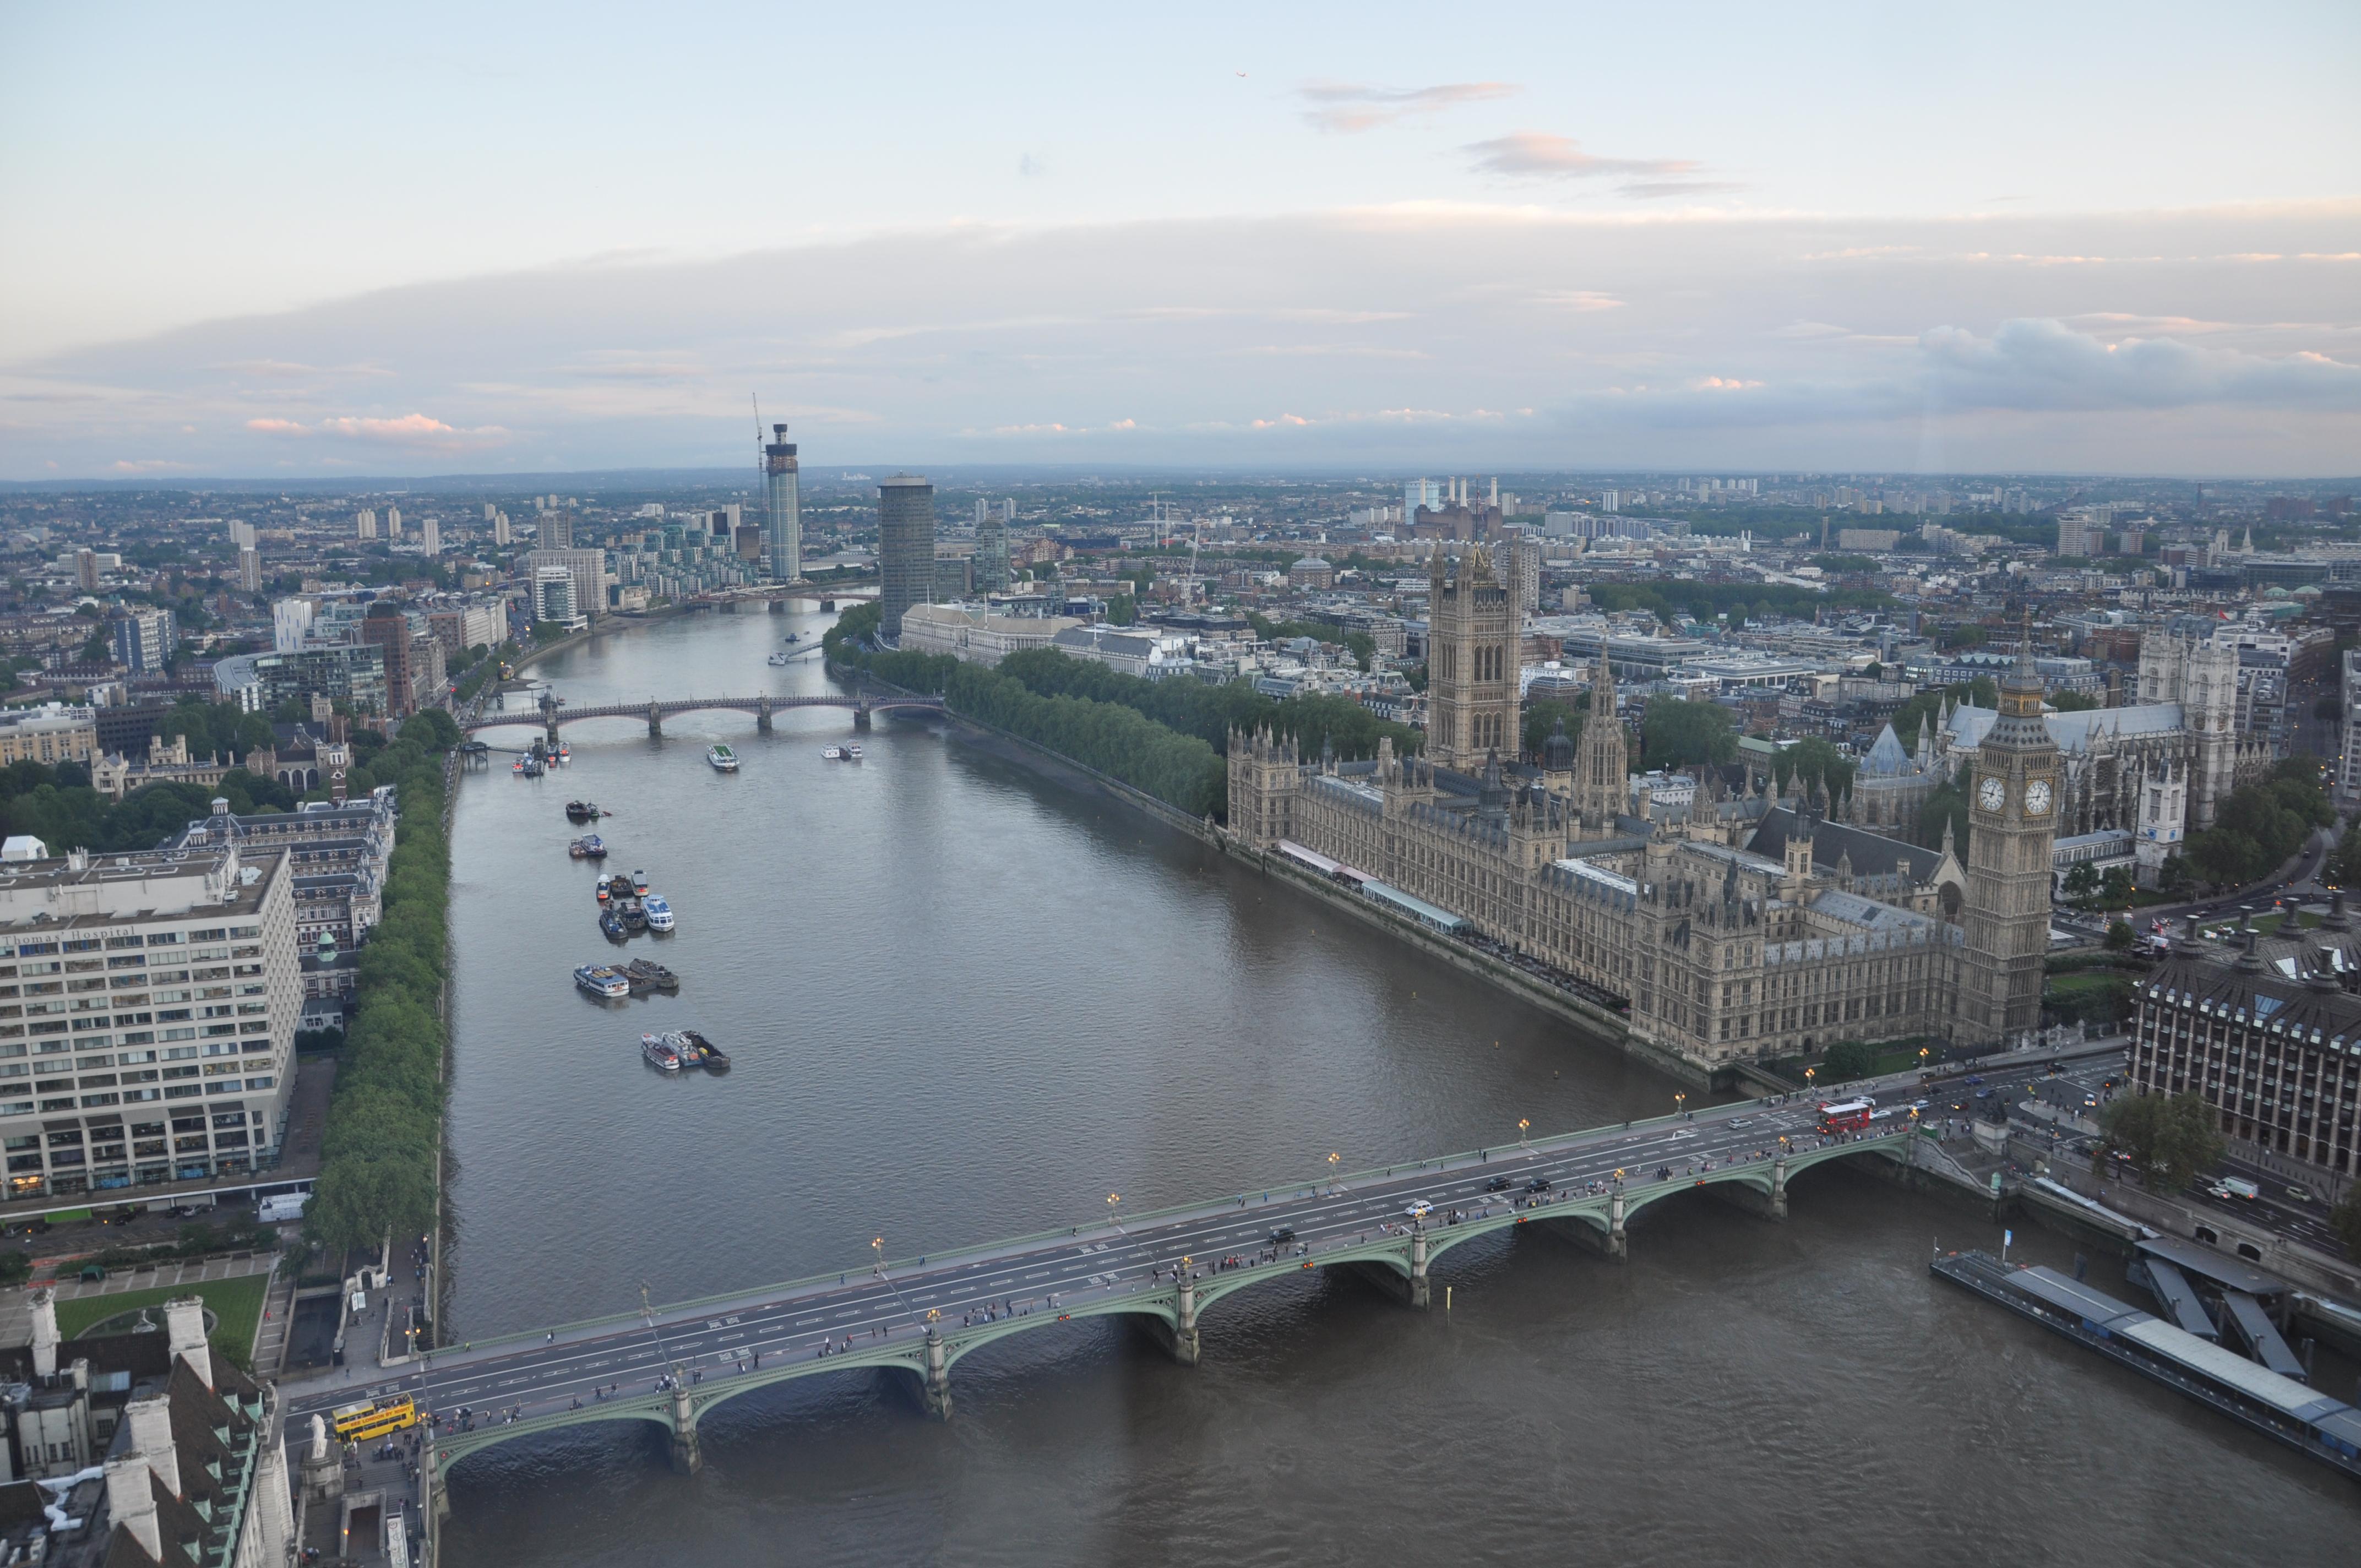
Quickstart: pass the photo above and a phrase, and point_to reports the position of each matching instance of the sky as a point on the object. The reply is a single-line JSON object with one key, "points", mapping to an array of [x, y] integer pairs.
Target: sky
{"points": [[251, 241]]}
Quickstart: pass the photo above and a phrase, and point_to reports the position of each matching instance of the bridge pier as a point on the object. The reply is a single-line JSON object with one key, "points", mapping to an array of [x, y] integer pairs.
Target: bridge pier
{"points": [[936, 1393], [860, 717], [686, 1456], [778, 607], [763, 717], [655, 719], [1581, 1231], [1410, 1290], [1179, 1336], [1770, 1205]]}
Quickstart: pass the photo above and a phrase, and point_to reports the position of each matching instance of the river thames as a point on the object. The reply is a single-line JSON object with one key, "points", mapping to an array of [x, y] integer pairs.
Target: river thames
{"points": [[968, 1001]]}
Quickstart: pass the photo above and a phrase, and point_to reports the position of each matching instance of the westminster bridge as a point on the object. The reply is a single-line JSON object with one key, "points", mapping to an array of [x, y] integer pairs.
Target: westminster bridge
{"points": [[551, 712], [916, 1318]]}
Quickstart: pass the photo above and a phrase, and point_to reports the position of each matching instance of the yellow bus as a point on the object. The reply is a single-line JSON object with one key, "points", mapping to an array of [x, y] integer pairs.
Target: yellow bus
{"points": [[373, 1419]]}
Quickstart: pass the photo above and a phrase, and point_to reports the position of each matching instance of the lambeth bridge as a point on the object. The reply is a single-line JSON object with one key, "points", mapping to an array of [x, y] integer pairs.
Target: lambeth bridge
{"points": [[666, 1366], [550, 712]]}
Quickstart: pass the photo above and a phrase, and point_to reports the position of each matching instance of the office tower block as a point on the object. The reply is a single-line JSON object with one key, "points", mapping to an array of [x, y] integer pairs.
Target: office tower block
{"points": [[906, 547]]}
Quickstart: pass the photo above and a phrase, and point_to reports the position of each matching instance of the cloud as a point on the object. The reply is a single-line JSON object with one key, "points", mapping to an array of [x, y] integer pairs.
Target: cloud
{"points": [[146, 465], [409, 429], [1351, 107], [1651, 190], [1542, 155], [1578, 299], [1029, 167], [2045, 364], [274, 367], [1635, 334]]}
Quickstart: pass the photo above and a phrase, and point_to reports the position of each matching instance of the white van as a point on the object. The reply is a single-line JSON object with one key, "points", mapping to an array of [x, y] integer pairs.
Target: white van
{"points": [[284, 1207]]}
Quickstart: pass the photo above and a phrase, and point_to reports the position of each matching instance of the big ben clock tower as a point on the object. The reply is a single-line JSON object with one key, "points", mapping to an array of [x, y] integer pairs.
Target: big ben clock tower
{"points": [[2013, 818]]}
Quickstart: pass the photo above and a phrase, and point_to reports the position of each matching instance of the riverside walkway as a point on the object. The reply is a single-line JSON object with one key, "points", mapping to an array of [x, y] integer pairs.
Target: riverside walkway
{"points": [[917, 1317]]}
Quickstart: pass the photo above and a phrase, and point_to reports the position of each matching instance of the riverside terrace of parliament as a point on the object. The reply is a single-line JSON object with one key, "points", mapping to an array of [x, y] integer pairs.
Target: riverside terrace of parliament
{"points": [[1749, 930]]}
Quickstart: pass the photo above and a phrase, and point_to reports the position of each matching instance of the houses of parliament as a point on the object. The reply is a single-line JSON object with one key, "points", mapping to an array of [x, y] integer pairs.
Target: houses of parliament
{"points": [[1748, 930]]}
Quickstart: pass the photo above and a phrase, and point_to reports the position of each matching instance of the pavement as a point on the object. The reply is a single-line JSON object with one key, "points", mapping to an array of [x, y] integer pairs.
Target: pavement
{"points": [[543, 1374]]}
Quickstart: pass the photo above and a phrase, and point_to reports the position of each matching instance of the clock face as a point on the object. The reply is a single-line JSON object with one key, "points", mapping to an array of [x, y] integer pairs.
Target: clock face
{"points": [[1992, 794], [2037, 797]]}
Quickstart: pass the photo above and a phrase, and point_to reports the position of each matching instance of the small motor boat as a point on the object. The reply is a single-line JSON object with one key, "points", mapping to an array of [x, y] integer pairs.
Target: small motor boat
{"points": [[711, 1057]]}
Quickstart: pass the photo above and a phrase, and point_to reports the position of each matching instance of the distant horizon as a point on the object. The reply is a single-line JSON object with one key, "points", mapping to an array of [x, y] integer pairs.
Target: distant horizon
{"points": [[590, 478]]}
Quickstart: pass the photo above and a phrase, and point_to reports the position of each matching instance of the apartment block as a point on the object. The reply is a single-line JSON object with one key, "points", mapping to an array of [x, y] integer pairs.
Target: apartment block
{"points": [[147, 1013]]}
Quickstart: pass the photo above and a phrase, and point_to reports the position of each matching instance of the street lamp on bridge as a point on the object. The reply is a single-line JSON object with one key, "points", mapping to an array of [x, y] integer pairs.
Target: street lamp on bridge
{"points": [[1333, 1158], [877, 1246], [1114, 1216], [1809, 1076], [1523, 1124], [1680, 1104]]}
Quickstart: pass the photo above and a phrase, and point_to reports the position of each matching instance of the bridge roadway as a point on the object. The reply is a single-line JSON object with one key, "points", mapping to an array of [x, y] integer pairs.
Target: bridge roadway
{"points": [[919, 1316]]}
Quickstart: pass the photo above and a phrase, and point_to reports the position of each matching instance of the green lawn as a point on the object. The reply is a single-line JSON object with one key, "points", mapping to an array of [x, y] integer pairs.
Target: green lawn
{"points": [[236, 1306], [2083, 980]]}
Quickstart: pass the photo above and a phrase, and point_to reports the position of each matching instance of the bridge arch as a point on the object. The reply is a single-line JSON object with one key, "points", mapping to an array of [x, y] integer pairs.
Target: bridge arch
{"points": [[454, 1449]]}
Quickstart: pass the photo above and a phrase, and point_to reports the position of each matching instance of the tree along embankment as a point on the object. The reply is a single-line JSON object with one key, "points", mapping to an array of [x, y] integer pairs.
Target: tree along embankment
{"points": [[1164, 738], [385, 1115]]}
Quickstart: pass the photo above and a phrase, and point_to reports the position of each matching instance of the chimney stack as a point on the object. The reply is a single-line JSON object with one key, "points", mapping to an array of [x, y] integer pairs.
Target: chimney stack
{"points": [[45, 1333], [131, 1501], [184, 1317], [151, 1435]]}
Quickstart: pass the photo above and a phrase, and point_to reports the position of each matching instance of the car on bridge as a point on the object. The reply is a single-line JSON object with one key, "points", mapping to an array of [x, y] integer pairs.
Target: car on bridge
{"points": [[1498, 1184], [1282, 1232], [1538, 1184], [1419, 1209]]}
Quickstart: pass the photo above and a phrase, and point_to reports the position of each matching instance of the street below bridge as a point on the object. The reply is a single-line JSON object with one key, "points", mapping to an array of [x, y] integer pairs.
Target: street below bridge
{"points": [[562, 1374]]}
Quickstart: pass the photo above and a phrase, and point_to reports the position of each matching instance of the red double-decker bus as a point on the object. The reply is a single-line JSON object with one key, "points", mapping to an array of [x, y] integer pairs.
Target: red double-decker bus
{"points": [[1846, 1115]]}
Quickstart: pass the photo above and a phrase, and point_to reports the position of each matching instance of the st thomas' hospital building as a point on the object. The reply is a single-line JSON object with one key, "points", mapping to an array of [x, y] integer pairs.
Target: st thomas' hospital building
{"points": [[1750, 930]]}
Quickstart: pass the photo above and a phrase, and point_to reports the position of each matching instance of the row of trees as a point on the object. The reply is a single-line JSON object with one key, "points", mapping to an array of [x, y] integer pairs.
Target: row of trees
{"points": [[1163, 737], [1179, 770], [2171, 1140], [1210, 712], [57, 806], [377, 1170], [2261, 824]]}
